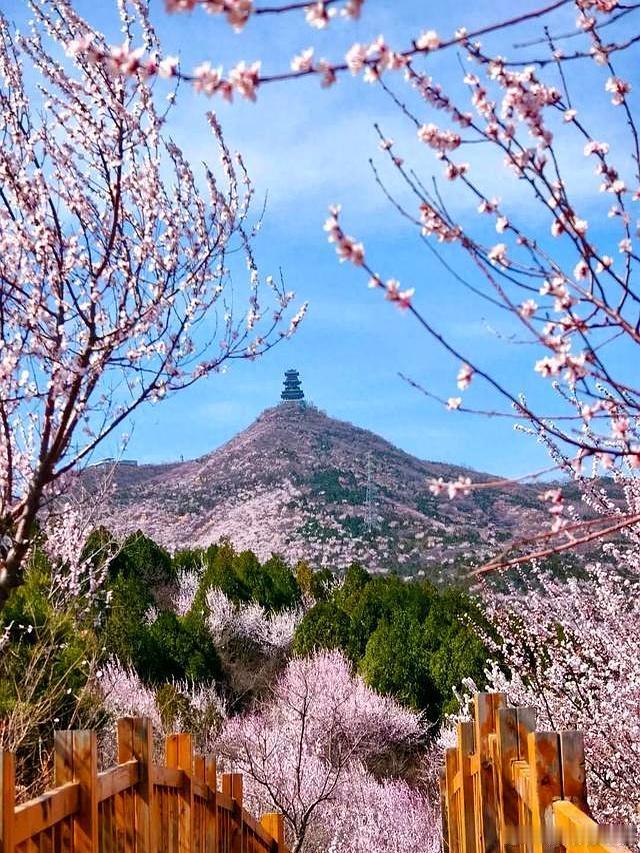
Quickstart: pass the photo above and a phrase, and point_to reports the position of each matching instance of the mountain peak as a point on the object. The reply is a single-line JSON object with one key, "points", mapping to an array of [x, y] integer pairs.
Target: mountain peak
{"points": [[306, 485]]}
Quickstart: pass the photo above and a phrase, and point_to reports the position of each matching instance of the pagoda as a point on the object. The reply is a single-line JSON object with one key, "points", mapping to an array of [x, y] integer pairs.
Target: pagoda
{"points": [[292, 389]]}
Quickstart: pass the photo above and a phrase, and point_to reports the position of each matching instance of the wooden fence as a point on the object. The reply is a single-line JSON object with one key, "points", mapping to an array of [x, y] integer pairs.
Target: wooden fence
{"points": [[507, 788], [135, 807]]}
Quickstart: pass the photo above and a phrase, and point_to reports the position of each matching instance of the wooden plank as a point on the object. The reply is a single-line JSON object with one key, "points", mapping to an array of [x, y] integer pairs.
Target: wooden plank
{"points": [[62, 758], [45, 811], [273, 824], [232, 784], [575, 828], [572, 769], [451, 768], [7, 801], [85, 771], [200, 789], [526, 725], [117, 779], [135, 743], [544, 766], [507, 795], [443, 811], [168, 777], [225, 801], [179, 753], [211, 818], [486, 706], [467, 818]]}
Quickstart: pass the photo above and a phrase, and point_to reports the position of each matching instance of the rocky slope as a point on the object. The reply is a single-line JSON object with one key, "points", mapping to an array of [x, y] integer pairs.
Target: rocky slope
{"points": [[295, 482]]}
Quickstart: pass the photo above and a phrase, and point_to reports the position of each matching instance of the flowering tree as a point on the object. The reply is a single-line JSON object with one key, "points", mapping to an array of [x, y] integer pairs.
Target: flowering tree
{"points": [[570, 651], [114, 286], [304, 750]]}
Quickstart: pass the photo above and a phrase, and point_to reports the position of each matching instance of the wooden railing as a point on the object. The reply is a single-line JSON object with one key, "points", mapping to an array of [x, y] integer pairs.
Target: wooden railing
{"points": [[507, 788], [135, 807]]}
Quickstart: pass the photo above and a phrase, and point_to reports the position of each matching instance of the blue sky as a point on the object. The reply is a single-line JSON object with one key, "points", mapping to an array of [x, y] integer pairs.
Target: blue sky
{"points": [[306, 148]]}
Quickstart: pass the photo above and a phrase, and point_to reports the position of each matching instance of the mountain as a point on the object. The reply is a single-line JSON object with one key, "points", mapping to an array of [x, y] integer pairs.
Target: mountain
{"points": [[305, 485]]}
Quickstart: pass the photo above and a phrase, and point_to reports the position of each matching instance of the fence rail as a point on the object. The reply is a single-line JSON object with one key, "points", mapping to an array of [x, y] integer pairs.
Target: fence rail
{"points": [[507, 788], [135, 807]]}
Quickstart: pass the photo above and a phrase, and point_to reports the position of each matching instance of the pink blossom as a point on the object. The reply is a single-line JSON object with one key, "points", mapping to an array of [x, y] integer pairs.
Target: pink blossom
{"points": [[593, 147], [619, 88], [303, 62], [428, 40], [465, 375], [528, 308], [498, 255], [401, 297], [207, 79], [245, 79], [318, 14], [440, 140], [356, 57]]}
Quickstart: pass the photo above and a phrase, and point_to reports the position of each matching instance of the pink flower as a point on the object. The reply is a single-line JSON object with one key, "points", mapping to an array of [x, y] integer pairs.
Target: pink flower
{"points": [[428, 40], [440, 140], [454, 170], [498, 255], [349, 250], [581, 270], [619, 88], [454, 403], [328, 73], [465, 375], [401, 297], [318, 16], [620, 427], [168, 67], [207, 79], [528, 308], [547, 366], [303, 62], [594, 147], [245, 78], [355, 57]]}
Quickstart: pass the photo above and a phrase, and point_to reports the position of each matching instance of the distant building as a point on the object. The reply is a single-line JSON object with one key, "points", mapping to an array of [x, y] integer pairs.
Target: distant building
{"points": [[110, 460], [292, 388]]}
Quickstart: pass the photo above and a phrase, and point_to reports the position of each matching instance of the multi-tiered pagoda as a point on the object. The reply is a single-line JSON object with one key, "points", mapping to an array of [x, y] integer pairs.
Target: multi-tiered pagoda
{"points": [[292, 389]]}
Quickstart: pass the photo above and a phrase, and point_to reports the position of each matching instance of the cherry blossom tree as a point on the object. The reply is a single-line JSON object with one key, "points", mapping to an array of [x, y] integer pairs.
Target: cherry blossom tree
{"points": [[115, 280], [307, 749], [570, 650]]}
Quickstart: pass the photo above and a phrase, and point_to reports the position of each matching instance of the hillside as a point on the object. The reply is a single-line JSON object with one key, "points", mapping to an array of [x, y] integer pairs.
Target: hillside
{"points": [[295, 482]]}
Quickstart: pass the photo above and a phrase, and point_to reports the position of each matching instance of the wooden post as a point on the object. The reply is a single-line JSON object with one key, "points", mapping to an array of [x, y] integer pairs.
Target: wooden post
{"points": [[507, 796], [572, 769], [467, 805], [135, 740], [211, 820], [76, 760], [273, 822], [232, 786], [453, 822], [443, 811], [486, 706], [544, 764], [7, 801], [179, 753]]}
